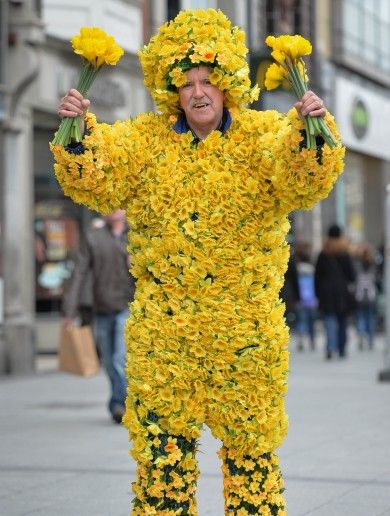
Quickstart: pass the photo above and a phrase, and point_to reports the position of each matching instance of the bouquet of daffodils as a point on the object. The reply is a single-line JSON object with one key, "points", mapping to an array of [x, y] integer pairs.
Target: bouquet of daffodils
{"points": [[96, 48], [287, 52]]}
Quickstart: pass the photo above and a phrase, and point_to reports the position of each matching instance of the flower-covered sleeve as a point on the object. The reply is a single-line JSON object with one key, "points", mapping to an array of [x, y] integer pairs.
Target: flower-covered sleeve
{"points": [[103, 171], [298, 177]]}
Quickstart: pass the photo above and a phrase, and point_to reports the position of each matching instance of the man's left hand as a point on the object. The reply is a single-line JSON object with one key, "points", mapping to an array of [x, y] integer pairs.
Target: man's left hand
{"points": [[310, 104]]}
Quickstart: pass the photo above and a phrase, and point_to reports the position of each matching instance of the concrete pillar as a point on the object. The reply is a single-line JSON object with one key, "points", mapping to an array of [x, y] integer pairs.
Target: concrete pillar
{"points": [[17, 346], [18, 252]]}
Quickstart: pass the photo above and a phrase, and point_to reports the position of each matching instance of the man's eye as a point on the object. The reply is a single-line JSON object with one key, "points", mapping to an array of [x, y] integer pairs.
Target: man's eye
{"points": [[186, 85]]}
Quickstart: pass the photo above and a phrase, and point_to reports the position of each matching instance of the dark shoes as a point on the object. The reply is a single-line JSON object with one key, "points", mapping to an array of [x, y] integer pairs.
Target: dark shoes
{"points": [[117, 413]]}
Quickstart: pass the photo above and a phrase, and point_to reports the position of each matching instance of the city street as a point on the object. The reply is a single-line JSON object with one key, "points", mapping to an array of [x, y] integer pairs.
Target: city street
{"points": [[184, 160], [61, 455]]}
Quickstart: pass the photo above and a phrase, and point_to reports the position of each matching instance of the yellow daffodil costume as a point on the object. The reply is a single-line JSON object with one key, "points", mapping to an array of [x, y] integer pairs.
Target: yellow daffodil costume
{"points": [[206, 339]]}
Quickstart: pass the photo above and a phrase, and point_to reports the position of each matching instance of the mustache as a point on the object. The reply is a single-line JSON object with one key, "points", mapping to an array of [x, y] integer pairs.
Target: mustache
{"points": [[200, 102]]}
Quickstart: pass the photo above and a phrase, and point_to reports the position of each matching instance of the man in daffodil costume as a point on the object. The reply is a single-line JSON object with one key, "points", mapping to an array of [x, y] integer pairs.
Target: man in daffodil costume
{"points": [[207, 185]]}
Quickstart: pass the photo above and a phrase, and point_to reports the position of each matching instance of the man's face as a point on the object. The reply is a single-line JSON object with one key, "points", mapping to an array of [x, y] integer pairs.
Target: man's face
{"points": [[201, 101]]}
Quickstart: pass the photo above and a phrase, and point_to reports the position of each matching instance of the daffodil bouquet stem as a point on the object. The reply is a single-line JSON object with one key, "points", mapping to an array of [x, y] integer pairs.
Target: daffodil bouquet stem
{"points": [[315, 126], [69, 129], [96, 48], [287, 50]]}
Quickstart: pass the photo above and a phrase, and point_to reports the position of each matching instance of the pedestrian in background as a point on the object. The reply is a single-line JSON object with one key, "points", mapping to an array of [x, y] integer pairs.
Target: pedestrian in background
{"points": [[307, 308], [334, 284], [366, 295], [290, 291], [103, 259]]}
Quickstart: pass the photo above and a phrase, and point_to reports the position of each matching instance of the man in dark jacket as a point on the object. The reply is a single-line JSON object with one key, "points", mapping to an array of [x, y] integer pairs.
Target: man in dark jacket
{"points": [[334, 279], [103, 255]]}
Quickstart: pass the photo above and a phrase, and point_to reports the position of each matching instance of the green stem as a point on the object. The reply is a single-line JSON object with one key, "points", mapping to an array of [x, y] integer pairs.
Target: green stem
{"points": [[326, 134], [305, 83], [310, 123], [313, 125], [309, 139], [296, 79], [315, 122], [69, 128]]}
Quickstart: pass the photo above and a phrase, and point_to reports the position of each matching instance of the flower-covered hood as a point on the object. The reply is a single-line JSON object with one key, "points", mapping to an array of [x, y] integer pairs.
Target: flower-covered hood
{"points": [[194, 37]]}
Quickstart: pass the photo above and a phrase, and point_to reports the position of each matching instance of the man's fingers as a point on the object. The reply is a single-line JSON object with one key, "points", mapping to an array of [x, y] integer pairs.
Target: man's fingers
{"points": [[75, 93], [298, 106], [314, 106], [68, 109], [64, 113], [73, 104], [85, 103]]}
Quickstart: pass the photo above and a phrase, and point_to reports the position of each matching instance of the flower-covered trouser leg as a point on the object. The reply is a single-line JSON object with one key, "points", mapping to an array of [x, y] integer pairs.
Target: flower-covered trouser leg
{"points": [[252, 485], [191, 362], [165, 410], [246, 411], [166, 479]]}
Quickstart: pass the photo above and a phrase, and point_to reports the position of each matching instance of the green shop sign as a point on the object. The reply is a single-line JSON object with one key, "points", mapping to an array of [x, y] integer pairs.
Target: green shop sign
{"points": [[359, 118]]}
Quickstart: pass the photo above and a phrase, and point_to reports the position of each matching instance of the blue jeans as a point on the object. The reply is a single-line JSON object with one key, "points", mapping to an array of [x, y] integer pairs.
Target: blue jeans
{"points": [[365, 322], [336, 332], [305, 322], [110, 336]]}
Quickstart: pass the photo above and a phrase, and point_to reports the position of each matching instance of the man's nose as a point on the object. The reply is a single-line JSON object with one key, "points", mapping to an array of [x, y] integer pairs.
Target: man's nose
{"points": [[198, 90]]}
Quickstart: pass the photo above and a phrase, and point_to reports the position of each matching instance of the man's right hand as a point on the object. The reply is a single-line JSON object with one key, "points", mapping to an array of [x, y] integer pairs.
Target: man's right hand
{"points": [[67, 321], [73, 104]]}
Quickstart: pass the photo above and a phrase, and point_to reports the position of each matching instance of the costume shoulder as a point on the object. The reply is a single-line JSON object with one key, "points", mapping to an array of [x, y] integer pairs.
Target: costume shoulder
{"points": [[252, 120], [140, 125], [151, 123]]}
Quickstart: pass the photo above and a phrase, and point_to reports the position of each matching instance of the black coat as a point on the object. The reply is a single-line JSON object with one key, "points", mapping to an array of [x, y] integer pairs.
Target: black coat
{"points": [[334, 280], [290, 290]]}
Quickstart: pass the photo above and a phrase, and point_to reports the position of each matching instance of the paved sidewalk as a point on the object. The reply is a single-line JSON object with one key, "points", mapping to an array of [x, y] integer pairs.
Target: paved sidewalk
{"points": [[61, 456]]}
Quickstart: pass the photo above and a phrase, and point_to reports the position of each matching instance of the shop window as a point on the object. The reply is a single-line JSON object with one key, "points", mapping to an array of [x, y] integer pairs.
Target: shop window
{"points": [[57, 227], [363, 35], [285, 16]]}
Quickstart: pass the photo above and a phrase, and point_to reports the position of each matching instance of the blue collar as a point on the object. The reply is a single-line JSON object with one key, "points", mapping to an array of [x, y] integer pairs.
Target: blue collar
{"points": [[181, 125]]}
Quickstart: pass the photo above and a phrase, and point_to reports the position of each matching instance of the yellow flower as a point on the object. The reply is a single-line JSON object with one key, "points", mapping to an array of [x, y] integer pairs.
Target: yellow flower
{"points": [[96, 47], [292, 47], [275, 76], [178, 77], [288, 51], [154, 429], [189, 462], [171, 445]]}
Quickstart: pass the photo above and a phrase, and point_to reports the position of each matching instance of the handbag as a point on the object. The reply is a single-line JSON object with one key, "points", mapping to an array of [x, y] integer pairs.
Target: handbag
{"points": [[77, 353]]}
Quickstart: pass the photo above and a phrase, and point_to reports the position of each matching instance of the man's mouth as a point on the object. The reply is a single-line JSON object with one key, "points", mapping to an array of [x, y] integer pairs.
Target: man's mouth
{"points": [[201, 105]]}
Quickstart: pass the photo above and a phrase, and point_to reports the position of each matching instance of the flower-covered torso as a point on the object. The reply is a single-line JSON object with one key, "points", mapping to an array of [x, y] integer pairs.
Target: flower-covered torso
{"points": [[208, 225]]}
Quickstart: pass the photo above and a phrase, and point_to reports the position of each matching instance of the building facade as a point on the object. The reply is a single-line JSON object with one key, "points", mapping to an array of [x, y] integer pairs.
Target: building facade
{"points": [[349, 68], [40, 227], [360, 50]]}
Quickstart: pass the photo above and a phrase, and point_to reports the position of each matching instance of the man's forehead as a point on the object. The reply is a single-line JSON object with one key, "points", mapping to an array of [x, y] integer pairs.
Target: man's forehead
{"points": [[198, 71]]}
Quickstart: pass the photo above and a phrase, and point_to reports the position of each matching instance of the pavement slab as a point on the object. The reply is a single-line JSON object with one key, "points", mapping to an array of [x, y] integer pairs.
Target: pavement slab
{"points": [[61, 455]]}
